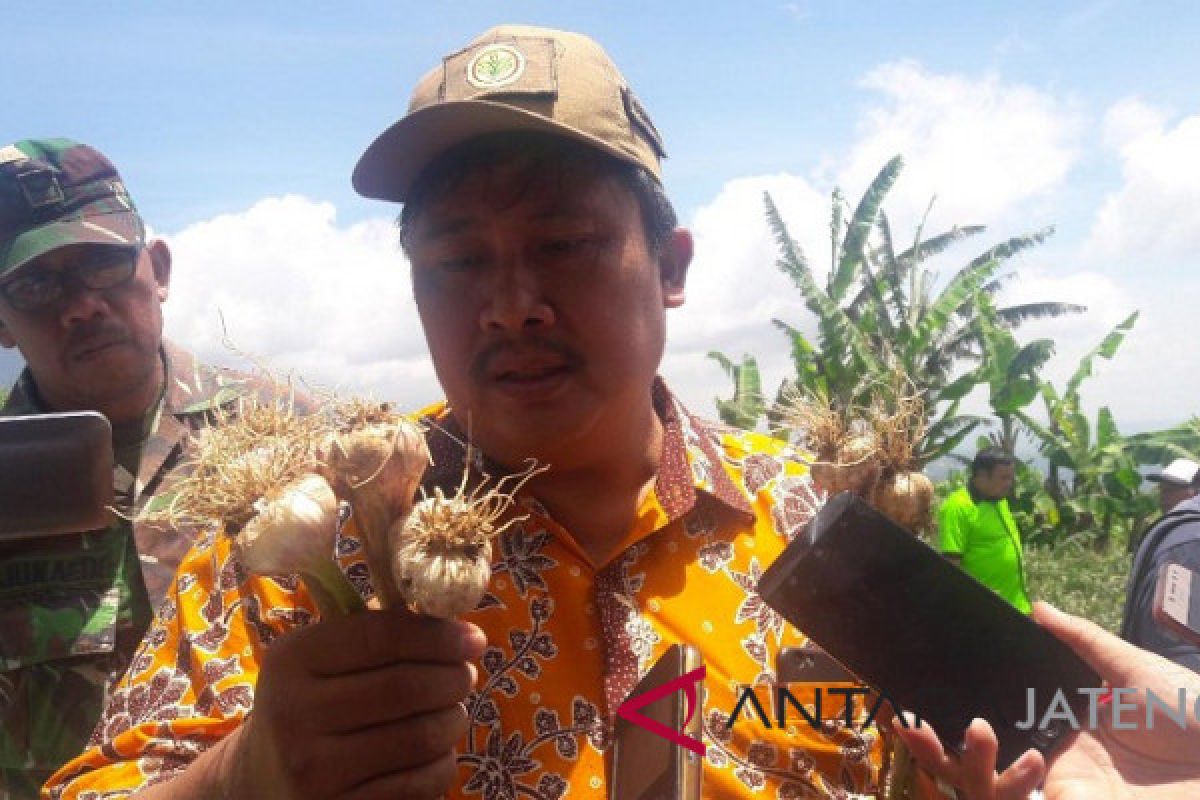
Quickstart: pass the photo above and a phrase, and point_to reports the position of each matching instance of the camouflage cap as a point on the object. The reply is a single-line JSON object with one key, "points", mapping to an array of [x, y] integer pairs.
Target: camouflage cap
{"points": [[57, 192], [512, 78]]}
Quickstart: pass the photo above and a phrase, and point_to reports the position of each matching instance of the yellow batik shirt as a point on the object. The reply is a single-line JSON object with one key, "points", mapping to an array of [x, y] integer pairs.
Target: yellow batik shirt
{"points": [[567, 639]]}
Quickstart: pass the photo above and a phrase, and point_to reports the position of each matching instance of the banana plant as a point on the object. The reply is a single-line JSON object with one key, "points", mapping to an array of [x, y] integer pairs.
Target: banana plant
{"points": [[746, 406], [878, 315], [1160, 447], [1008, 369], [1102, 493]]}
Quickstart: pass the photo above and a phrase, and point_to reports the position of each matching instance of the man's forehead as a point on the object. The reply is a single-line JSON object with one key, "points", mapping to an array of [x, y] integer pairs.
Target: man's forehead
{"points": [[487, 193]]}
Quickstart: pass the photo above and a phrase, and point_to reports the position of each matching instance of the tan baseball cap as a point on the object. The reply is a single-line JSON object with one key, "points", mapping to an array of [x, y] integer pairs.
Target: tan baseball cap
{"points": [[512, 78]]}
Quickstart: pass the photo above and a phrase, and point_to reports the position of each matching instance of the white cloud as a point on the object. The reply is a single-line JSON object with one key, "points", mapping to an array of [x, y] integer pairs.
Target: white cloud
{"points": [[1154, 217], [983, 146], [1129, 120], [1146, 232], [332, 303], [733, 281], [993, 152], [735, 289]]}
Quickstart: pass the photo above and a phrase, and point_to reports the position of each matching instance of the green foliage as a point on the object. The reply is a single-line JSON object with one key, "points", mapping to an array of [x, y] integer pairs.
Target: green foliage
{"points": [[845, 367], [1161, 447], [1008, 369], [746, 406], [1102, 495], [1072, 574], [881, 327], [1080, 579]]}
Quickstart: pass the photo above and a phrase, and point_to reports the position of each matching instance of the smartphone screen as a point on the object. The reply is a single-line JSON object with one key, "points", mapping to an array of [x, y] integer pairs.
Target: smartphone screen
{"points": [[923, 632], [646, 766], [56, 474]]}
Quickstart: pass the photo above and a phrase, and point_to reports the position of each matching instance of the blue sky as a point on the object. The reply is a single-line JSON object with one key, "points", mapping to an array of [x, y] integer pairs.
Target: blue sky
{"points": [[236, 126], [209, 106]]}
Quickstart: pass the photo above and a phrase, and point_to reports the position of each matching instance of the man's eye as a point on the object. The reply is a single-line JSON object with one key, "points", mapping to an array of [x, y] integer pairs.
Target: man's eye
{"points": [[28, 287], [106, 274], [570, 246], [459, 262]]}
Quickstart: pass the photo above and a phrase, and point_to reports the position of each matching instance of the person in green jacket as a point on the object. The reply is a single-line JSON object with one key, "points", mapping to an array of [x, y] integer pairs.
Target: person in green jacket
{"points": [[977, 532]]}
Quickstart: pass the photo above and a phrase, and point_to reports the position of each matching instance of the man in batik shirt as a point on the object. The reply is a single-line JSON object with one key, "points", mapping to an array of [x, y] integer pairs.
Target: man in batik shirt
{"points": [[544, 254]]}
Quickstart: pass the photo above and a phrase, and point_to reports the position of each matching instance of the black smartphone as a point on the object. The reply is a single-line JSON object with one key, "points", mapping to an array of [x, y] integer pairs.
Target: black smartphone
{"points": [[1177, 602], [56, 474], [810, 664], [645, 765], [923, 633]]}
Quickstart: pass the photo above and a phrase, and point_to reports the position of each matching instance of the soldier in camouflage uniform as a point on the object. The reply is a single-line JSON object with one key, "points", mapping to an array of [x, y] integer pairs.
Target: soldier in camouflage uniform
{"points": [[80, 296]]}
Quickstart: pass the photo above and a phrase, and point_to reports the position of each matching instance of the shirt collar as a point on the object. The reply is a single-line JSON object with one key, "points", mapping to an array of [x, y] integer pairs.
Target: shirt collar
{"points": [[690, 465], [24, 397], [196, 388], [978, 498]]}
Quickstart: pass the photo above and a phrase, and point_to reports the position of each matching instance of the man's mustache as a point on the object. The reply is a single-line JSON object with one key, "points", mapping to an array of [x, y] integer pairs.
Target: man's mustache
{"points": [[88, 336], [521, 349]]}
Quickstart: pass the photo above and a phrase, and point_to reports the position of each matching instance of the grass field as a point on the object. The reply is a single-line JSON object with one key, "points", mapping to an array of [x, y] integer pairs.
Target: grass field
{"points": [[1080, 580]]}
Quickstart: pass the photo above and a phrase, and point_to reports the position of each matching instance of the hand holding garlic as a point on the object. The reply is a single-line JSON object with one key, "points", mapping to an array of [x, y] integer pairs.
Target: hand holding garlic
{"points": [[294, 532], [273, 479]]}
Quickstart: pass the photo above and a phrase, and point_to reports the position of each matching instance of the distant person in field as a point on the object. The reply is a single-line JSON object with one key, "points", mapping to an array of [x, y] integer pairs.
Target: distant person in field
{"points": [[1177, 483], [977, 532], [1174, 539]]}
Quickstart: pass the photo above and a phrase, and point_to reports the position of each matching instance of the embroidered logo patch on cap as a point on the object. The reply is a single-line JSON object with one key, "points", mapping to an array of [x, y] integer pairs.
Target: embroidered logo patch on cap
{"points": [[41, 188], [495, 66]]}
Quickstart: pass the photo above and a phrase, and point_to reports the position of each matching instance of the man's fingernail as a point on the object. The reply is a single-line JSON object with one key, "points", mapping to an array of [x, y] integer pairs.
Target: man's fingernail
{"points": [[471, 636]]}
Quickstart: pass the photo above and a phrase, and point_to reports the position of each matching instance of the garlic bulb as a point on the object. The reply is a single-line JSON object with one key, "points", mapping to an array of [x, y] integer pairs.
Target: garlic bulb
{"points": [[377, 467], [295, 532], [441, 554], [442, 558]]}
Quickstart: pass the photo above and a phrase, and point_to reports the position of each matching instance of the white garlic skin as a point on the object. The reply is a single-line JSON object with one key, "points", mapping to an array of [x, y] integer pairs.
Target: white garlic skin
{"points": [[442, 581], [292, 532]]}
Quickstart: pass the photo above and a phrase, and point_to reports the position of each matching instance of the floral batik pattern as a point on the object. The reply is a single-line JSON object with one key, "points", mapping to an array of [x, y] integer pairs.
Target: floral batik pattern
{"points": [[567, 639]]}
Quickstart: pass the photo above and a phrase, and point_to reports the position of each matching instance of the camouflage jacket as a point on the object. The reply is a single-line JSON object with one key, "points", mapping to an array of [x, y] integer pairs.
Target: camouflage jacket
{"points": [[73, 608]]}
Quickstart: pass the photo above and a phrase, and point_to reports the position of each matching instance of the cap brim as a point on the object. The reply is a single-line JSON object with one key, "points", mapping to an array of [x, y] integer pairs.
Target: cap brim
{"points": [[390, 165], [1168, 480], [116, 228]]}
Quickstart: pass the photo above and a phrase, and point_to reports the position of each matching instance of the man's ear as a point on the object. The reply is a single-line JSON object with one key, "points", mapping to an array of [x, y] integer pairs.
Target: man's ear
{"points": [[160, 260], [673, 263]]}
